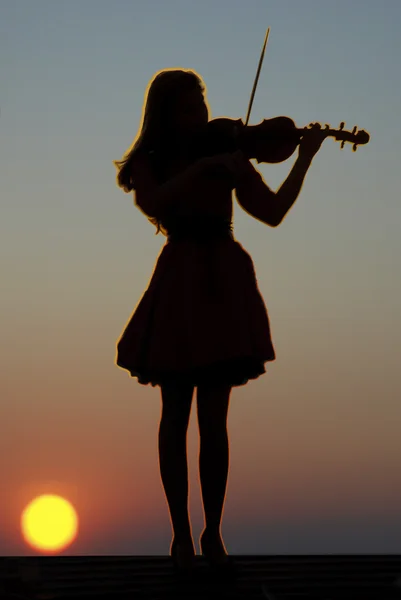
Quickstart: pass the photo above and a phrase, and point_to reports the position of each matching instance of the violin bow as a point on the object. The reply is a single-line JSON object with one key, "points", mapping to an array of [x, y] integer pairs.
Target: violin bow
{"points": [[257, 75]]}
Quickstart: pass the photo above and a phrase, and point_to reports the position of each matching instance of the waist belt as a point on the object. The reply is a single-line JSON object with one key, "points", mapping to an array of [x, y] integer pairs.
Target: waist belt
{"points": [[199, 230]]}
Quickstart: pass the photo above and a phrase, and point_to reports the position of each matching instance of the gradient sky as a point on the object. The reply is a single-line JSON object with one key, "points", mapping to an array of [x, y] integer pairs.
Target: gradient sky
{"points": [[315, 445]]}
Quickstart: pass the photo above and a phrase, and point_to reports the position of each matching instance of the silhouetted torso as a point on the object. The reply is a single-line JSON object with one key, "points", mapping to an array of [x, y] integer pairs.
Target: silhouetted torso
{"points": [[202, 315]]}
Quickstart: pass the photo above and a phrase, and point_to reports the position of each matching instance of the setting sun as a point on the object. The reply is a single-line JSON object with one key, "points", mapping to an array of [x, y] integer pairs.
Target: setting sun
{"points": [[49, 523]]}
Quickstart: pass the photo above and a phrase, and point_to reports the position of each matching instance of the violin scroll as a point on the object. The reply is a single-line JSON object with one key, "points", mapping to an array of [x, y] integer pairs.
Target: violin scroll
{"points": [[354, 137]]}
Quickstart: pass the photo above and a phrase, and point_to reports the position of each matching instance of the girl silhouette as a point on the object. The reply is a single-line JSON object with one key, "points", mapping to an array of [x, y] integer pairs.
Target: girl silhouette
{"points": [[202, 321]]}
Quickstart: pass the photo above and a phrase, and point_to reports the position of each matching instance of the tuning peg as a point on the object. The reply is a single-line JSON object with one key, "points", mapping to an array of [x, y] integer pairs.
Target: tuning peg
{"points": [[354, 147], [327, 126], [354, 130], [342, 125], [342, 144]]}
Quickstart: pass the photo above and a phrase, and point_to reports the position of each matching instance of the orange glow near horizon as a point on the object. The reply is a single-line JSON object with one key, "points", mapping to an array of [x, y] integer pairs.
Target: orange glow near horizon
{"points": [[49, 523]]}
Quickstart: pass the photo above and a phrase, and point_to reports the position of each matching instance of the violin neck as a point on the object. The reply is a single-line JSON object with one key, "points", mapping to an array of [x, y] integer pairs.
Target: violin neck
{"points": [[328, 132]]}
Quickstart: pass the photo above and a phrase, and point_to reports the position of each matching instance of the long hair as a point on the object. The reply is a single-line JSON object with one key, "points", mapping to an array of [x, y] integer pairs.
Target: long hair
{"points": [[161, 93]]}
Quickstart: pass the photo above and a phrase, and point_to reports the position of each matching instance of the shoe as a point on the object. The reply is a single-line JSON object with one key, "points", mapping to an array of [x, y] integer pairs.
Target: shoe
{"points": [[219, 562], [183, 555]]}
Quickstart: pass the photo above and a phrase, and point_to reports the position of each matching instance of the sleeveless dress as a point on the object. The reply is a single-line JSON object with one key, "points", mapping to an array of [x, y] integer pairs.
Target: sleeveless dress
{"points": [[202, 317]]}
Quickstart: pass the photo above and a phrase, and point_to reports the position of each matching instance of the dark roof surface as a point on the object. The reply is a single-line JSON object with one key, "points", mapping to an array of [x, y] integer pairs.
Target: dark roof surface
{"points": [[322, 577]]}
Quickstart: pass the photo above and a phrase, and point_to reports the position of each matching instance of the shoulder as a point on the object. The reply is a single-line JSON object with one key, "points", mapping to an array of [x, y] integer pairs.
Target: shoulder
{"points": [[141, 159], [147, 165], [141, 168]]}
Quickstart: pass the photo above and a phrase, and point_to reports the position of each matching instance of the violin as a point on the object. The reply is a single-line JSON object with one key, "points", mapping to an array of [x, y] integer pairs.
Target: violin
{"points": [[271, 141]]}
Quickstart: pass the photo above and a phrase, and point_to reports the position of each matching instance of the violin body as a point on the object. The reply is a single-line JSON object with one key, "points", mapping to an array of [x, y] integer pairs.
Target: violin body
{"points": [[271, 141]]}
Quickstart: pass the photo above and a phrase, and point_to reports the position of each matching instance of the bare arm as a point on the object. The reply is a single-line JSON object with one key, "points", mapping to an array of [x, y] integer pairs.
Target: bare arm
{"points": [[290, 189], [271, 207], [257, 199]]}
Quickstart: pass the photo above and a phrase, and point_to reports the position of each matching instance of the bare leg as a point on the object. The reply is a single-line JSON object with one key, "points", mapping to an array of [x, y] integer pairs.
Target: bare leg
{"points": [[213, 403], [176, 402]]}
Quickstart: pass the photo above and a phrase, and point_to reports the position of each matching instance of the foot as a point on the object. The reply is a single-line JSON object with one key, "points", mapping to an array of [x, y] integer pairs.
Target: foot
{"points": [[183, 554], [213, 549]]}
